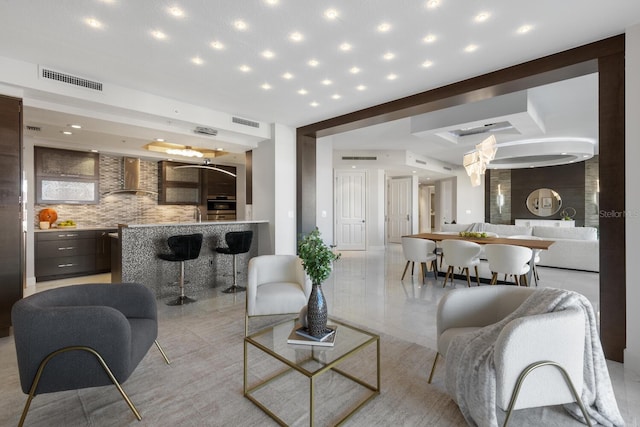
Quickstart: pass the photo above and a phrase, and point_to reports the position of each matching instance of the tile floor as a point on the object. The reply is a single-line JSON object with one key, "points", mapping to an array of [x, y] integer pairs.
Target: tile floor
{"points": [[365, 288]]}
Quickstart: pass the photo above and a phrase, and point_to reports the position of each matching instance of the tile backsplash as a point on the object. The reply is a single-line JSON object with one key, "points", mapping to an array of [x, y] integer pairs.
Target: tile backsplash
{"points": [[117, 209]]}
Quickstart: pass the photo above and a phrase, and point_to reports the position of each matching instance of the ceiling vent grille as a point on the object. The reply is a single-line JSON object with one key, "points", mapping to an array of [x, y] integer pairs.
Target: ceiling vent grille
{"points": [[447, 168], [245, 122], [359, 158], [47, 73], [205, 131], [421, 162], [34, 128]]}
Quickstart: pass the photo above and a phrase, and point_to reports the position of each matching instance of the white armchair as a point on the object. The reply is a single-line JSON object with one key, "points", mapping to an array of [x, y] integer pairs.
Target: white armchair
{"points": [[276, 284], [551, 344]]}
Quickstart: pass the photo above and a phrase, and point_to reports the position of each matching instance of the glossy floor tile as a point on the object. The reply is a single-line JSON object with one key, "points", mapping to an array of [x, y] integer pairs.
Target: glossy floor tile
{"points": [[365, 289]]}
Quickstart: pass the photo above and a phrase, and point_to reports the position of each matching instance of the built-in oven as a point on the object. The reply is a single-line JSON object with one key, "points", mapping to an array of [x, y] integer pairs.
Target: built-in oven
{"points": [[221, 208]]}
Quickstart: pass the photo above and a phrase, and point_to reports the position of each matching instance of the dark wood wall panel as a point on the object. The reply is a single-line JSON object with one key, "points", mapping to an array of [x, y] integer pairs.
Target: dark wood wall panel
{"points": [[566, 180], [12, 237]]}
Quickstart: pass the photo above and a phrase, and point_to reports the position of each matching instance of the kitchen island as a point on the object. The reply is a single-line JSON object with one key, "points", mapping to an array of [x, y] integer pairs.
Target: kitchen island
{"points": [[135, 250]]}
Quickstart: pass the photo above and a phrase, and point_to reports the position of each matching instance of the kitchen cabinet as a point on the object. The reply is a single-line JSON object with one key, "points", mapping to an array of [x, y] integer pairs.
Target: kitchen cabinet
{"points": [[66, 176], [178, 186], [68, 253], [219, 183]]}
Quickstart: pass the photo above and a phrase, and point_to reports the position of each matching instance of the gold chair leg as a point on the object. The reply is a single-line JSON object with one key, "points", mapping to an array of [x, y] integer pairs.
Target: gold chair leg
{"points": [[475, 267], [515, 280], [446, 276], [433, 368], [434, 266], [468, 276], [404, 272], [423, 270], [43, 364], [166, 359], [494, 278]]}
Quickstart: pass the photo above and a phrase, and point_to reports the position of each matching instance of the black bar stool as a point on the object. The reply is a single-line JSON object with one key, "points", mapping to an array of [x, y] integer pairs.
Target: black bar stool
{"points": [[183, 248], [238, 242]]}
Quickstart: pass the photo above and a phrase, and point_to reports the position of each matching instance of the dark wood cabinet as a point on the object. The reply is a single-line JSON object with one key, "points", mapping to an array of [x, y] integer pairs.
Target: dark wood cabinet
{"points": [[66, 176], [68, 253], [12, 236], [219, 183], [180, 186]]}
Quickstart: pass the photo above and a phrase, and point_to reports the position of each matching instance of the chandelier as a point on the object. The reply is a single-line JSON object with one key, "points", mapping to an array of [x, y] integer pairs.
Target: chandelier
{"points": [[475, 162]]}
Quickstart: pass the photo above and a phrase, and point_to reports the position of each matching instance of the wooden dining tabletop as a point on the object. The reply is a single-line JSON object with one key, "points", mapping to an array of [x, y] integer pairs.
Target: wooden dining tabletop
{"points": [[529, 243]]}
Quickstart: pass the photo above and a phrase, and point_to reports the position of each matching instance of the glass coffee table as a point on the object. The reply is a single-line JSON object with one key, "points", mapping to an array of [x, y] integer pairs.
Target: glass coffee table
{"points": [[313, 362]]}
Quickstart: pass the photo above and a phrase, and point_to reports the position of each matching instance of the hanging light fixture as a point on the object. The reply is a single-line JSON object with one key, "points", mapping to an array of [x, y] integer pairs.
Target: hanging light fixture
{"points": [[186, 152], [206, 165], [487, 149], [475, 162]]}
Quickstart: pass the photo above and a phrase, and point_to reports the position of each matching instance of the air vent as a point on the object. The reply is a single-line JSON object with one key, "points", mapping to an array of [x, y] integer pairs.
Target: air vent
{"points": [[486, 128], [447, 168], [245, 122], [46, 73], [421, 162], [34, 128], [205, 131], [359, 158]]}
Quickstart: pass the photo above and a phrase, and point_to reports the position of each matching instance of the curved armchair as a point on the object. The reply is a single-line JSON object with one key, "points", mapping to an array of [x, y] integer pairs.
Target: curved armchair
{"points": [[509, 260], [83, 336], [463, 254], [276, 284], [422, 251], [551, 344]]}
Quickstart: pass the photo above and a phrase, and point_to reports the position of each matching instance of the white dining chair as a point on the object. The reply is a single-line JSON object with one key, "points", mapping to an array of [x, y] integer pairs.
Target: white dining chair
{"points": [[421, 251], [509, 260], [536, 254], [462, 254]]}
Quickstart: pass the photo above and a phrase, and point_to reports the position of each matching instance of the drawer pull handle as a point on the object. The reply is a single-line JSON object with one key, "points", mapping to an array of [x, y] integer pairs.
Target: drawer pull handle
{"points": [[68, 248], [65, 265]]}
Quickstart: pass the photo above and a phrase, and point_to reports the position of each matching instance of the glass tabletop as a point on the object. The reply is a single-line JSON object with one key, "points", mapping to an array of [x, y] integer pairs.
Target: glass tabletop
{"points": [[273, 340]]}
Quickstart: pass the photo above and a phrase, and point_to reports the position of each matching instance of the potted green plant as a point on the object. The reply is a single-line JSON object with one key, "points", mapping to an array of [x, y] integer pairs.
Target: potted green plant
{"points": [[317, 259]]}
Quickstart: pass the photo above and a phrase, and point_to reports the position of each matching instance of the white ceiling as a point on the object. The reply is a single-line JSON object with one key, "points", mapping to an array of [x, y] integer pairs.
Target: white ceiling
{"points": [[124, 52]]}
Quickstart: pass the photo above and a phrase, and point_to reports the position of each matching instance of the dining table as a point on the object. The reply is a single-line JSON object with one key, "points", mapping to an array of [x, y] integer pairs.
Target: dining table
{"points": [[532, 244]]}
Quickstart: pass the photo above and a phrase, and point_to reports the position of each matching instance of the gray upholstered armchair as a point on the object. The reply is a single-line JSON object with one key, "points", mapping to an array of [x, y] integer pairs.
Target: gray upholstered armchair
{"points": [[83, 336]]}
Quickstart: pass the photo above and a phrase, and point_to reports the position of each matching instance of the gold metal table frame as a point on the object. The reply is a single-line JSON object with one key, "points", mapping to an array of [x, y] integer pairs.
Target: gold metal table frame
{"points": [[347, 348]]}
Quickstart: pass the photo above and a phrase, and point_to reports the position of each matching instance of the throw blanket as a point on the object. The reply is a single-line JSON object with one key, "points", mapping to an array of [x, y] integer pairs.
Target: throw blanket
{"points": [[470, 370]]}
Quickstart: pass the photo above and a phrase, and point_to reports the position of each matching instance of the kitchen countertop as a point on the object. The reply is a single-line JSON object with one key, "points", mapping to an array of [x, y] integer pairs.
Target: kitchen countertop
{"points": [[79, 228]]}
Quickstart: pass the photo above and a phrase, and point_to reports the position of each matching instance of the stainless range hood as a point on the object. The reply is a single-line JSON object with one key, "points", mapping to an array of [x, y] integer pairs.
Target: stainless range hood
{"points": [[130, 178]]}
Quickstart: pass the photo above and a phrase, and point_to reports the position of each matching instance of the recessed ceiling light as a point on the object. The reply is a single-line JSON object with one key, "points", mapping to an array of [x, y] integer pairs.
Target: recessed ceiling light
{"points": [[217, 45], [159, 139], [268, 54], [524, 29], [354, 70], [313, 62], [388, 56], [353, 166], [158, 34], [432, 4], [314, 104], [67, 132], [361, 87], [295, 36], [240, 25], [413, 172], [93, 150], [336, 96], [384, 27], [482, 16], [392, 76], [564, 154], [76, 126], [471, 48], [345, 47], [176, 11], [219, 149], [326, 82], [429, 38], [427, 64], [302, 91], [266, 86], [272, 2], [287, 76], [331, 14], [245, 68], [197, 60], [93, 23]]}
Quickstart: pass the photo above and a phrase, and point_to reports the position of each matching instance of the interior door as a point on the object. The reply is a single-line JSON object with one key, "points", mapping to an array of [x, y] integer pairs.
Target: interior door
{"points": [[350, 210], [398, 209]]}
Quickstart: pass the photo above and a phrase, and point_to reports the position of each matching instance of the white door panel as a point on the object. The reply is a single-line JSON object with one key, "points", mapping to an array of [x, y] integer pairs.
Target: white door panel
{"points": [[350, 209], [398, 209]]}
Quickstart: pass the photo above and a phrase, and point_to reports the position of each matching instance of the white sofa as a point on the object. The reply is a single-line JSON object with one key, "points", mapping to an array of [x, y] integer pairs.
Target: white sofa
{"points": [[575, 248]]}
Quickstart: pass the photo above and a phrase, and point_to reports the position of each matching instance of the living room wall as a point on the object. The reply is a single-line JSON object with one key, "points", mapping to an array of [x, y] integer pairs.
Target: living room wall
{"points": [[576, 183]]}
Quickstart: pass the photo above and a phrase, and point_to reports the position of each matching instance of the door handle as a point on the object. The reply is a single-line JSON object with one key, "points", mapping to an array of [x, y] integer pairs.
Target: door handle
{"points": [[408, 217]]}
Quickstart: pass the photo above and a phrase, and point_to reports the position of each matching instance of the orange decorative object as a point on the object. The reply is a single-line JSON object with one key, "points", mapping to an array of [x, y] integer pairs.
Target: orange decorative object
{"points": [[49, 215]]}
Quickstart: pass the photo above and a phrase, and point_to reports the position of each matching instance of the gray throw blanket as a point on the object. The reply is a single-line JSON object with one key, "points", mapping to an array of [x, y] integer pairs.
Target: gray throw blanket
{"points": [[470, 370]]}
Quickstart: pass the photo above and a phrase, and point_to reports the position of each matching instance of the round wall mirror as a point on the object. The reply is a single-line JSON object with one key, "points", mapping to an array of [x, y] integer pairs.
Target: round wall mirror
{"points": [[544, 202]]}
